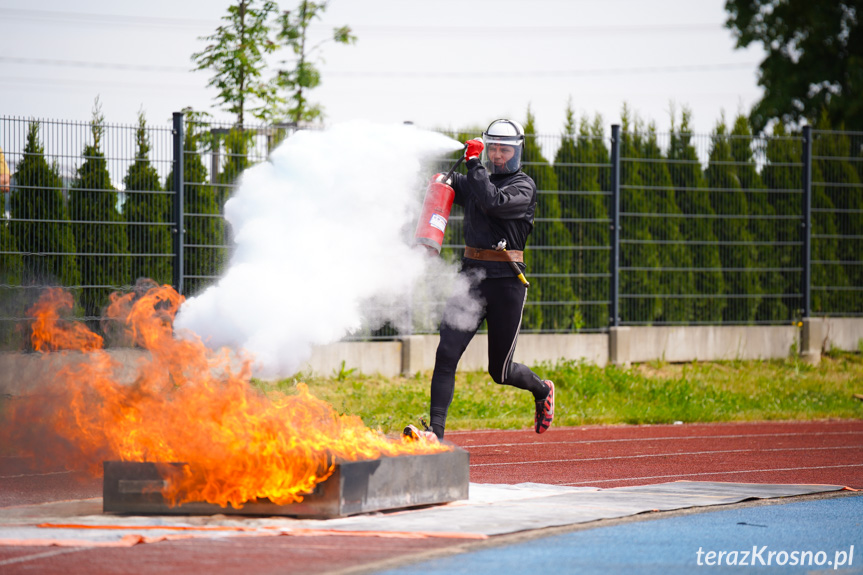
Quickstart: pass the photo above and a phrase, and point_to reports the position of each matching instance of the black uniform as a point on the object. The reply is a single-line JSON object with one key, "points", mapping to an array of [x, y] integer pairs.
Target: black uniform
{"points": [[496, 207]]}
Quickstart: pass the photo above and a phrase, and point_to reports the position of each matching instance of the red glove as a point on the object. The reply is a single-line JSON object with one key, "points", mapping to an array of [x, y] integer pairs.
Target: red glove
{"points": [[473, 150]]}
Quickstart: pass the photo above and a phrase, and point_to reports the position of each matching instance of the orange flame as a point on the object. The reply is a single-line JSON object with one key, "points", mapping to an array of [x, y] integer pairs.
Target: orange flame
{"points": [[187, 404]]}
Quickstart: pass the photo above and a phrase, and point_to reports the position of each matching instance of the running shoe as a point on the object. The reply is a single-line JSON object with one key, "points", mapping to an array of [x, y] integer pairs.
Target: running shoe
{"points": [[545, 410], [414, 433]]}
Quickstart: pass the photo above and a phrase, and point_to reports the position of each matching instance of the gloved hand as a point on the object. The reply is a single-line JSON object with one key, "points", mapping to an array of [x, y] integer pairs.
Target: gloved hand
{"points": [[473, 150]]}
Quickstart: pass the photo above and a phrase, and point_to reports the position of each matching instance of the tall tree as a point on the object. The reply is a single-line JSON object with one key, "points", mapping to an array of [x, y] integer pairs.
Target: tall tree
{"points": [[585, 215], [100, 237], [762, 223], [693, 199], [304, 74], [41, 219], [736, 250], [237, 57], [204, 251], [639, 284], [11, 301], [146, 212], [237, 143], [550, 260], [663, 224], [814, 58], [837, 178]]}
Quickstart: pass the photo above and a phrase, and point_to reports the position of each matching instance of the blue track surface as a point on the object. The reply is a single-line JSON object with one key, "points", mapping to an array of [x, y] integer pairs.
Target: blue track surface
{"points": [[827, 528]]}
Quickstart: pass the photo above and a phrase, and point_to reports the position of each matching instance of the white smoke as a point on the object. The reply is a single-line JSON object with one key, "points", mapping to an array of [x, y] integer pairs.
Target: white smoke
{"points": [[321, 234]]}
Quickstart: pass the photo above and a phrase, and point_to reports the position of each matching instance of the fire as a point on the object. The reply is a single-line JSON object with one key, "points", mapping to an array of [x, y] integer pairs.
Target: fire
{"points": [[187, 404]]}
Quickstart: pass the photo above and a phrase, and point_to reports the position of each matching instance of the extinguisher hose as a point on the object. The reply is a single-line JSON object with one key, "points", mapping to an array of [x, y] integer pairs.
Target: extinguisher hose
{"points": [[454, 166]]}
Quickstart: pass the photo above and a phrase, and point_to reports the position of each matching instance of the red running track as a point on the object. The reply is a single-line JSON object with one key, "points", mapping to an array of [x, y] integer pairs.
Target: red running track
{"points": [[821, 452], [817, 452]]}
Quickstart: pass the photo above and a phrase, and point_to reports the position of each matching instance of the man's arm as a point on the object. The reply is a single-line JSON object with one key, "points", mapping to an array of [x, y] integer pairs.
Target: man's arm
{"points": [[508, 202]]}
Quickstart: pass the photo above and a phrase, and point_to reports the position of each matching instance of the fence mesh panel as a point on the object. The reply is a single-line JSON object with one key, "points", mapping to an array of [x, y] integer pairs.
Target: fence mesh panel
{"points": [[712, 225]]}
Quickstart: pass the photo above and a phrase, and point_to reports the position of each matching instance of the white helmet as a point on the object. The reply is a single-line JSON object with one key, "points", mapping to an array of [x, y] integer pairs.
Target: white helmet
{"points": [[506, 133]]}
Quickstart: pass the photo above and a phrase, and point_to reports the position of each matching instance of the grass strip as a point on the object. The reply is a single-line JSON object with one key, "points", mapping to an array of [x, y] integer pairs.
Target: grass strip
{"points": [[654, 392]]}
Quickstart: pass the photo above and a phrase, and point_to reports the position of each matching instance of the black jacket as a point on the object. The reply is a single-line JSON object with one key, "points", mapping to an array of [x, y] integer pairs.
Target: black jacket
{"points": [[496, 207]]}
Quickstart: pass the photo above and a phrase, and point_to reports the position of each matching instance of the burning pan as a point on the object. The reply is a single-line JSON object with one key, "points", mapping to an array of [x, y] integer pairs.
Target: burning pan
{"points": [[354, 487]]}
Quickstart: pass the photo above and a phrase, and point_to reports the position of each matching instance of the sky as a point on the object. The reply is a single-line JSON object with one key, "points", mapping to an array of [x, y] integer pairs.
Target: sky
{"points": [[446, 64]]}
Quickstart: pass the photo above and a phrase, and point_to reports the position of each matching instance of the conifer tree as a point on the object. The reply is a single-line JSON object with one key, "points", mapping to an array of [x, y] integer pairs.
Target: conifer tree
{"points": [[146, 210], [836, 177], [237, 144], [664, 228], [38, 195], [693, 200], [549, 255], [825, 268], [103, 246], [762, 227], [204, 252], [736, 252], [637, 250], [585, 215], [783, 176], [11, 302]]}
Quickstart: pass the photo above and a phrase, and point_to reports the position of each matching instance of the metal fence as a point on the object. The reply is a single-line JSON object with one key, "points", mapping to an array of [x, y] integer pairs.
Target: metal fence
{"points": [[632, 228]]}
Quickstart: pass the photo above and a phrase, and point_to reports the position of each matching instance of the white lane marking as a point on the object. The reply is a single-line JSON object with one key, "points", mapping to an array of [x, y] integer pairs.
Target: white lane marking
{"points": [[666, 438], [35, 474], [711, 473], [665, 455], [42, 555]]}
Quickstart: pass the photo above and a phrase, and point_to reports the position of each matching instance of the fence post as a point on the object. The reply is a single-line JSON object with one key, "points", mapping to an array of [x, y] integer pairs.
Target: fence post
{"points": [[806, 280], [614, 305], [178, 229], [619, 338], [814, 332]]}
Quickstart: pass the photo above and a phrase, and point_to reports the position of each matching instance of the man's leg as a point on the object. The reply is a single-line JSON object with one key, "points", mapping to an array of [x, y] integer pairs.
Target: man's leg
{"points": [[453, 342], [505, 299]]}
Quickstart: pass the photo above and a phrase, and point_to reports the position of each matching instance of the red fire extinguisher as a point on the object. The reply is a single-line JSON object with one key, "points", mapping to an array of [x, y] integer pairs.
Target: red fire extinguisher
{"points": [[435, 213]]}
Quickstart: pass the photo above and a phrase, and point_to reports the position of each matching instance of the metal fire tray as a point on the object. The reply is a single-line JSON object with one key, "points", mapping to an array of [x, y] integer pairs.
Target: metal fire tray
{"points": [[354, 487]]}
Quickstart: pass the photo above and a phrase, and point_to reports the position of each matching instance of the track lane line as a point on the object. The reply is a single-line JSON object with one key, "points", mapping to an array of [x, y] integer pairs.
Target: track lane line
{"points": [[44, 555], [667, 438], [712, 473], [645, 455]]}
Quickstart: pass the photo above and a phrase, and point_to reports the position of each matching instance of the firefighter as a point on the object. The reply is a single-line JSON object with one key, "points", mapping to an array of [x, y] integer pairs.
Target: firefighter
{"points": [[499, 202]]}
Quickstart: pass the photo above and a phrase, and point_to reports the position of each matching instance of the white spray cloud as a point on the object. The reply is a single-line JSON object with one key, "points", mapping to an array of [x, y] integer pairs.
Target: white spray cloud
{"points": [[320, 245]]}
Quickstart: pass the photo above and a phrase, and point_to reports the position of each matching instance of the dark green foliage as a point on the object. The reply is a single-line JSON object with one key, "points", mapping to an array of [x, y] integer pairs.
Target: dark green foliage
{"points": [[586, 205], [692, 198], [814, 58], [637, 250], [783, 176], [145, 207], [204, 252], [549, 254], [837, 179], [736, 252], [101, 240], [49, 245], [761, 227], [11, 300], [664, 229], [237, 144]]}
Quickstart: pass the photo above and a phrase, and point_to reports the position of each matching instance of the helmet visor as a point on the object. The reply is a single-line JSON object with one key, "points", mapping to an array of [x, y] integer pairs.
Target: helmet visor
{"points": [[501, 155]]}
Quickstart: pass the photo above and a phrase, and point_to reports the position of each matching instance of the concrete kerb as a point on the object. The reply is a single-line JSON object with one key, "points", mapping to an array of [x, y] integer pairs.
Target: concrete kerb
{"points": [[619, 346]]}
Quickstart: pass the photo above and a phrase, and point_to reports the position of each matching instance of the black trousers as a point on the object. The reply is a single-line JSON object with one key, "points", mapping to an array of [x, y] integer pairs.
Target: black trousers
{"points": [[502, 303]]}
